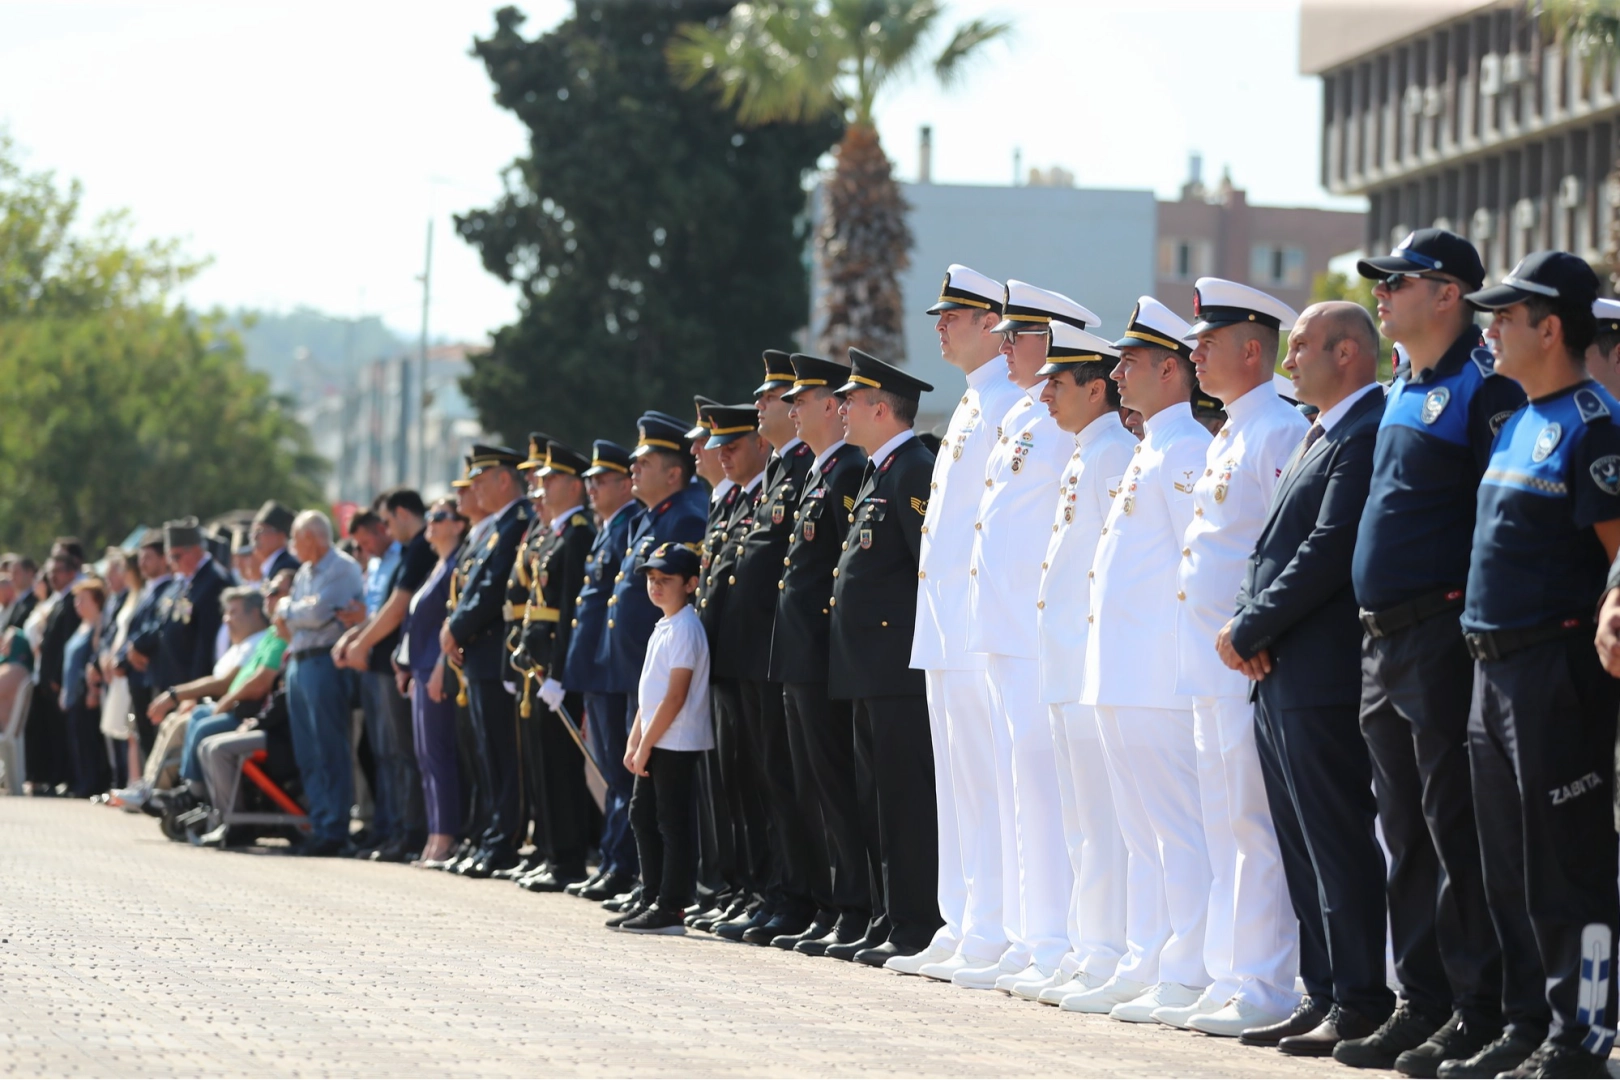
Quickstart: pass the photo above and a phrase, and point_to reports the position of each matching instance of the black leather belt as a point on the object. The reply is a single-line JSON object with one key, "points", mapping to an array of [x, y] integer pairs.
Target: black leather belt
{"points": [[305, 654], [1495, 644], [1401, 616]]}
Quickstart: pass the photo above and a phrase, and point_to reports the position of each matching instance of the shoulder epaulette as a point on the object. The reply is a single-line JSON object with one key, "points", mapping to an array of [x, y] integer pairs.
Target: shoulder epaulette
{"points": [[1485, 360], [578, 520], [1590, 406]]}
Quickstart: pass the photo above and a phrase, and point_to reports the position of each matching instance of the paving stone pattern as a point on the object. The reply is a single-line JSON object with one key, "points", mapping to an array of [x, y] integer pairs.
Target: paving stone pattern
{"points": [[127, 955]]}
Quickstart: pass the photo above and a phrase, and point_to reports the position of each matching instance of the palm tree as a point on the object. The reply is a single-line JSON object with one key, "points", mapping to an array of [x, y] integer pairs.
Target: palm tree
{"points": [[796, 60]]}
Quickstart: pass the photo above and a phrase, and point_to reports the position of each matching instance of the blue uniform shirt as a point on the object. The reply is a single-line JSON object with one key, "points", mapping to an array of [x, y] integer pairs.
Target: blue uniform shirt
{"points": [[1554, 474], [581, 670], [683, 518], [1433, 443]]}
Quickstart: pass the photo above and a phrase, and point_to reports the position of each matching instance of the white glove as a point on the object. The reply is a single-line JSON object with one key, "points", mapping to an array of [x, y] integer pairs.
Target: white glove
{"points": [[551, 692]]}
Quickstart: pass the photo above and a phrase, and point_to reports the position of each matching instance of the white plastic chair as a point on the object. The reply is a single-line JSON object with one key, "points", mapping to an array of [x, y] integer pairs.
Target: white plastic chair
{"points": [[13, 757]]}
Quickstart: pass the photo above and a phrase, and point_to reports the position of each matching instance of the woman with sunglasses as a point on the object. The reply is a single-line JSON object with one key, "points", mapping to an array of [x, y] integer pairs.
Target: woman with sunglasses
{"points": [[419, 665]]}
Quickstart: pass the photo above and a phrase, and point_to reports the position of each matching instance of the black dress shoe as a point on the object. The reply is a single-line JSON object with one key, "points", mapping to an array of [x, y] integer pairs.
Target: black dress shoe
{"points": [[1552, 1059], [1511, 1050], [575, 888], [319, 849], [489, 864], [553, 879], [1307, 1014], [1406, 1029], [626, 915], [775, 927], [810, 933], [396, 851], [528, 864], [736, 928], [624, 901], [460, 866], [847, 950], [1338, 1025], [604, 887], [840, 934], [1457, 1039], [879, 955]]}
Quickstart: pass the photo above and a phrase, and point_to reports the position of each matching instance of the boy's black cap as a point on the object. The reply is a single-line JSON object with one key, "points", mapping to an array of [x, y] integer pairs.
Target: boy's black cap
{"points": [[1439, 251], [673, 558], [1558, 276]]}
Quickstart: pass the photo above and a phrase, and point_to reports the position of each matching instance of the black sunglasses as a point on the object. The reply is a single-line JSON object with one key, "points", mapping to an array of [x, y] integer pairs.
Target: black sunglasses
{"points": [[1396, 282], [441, 515]]}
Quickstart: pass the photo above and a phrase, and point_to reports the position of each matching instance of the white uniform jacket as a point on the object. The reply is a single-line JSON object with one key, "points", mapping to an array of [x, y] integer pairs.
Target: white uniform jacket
{"points": [[1009, 535], [1102, 455], [940, 643], [1230, 501], [1131, 639]]}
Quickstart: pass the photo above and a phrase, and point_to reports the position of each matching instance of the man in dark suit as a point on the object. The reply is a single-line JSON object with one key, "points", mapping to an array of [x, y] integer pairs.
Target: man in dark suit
{"points": [[23, 571], [179, 647], [269, 532], [474, 635], [874, 614], [49, 763], [1297, 632]]}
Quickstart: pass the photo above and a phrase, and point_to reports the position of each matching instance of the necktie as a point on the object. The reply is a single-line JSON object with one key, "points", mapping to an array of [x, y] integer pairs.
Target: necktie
{"points": [[1316, 432]]}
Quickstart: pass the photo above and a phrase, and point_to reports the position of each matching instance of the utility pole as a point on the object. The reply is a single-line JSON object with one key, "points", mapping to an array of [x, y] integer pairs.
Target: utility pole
{"points": [[422, 380]]}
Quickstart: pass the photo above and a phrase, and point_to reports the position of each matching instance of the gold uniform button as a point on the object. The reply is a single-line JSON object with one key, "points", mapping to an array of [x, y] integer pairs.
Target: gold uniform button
{"points": [[934, 486], [973, 572], [573, 622], [925, 530], [835, 571], [844, 546], [1180, 595], [612, 600], [824, 611], [1091, 573], [781, 585], [885, 622], [921, 574], [989, 483], [795, 515], [1186, 552], [731, 580], [1138, 449], [1091, 618], [1209, 472], [610, 624], [705, 603], [787, 562], [1105, 530], [832, 601], [852, 519], [1198, 511], [1041, 604], [1046, 566], [978, 524]]}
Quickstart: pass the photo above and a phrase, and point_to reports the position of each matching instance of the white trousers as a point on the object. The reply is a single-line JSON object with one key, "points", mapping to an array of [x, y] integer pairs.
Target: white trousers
{"points": [[1027, 774], [969, 841], [1251, 947], [1096, 850], [1153, 773]]}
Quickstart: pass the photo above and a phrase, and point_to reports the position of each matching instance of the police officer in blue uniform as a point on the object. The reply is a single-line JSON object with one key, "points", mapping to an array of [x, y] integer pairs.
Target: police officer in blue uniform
{"points": [[661, 478], [476, 630], [1542, 727], [1409, 573], [607, 485]]}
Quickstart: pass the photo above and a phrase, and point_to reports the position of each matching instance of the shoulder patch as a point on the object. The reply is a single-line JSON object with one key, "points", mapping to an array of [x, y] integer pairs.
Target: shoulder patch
{"points": [[1591, 406], [1606, 473], [1484, 359], [577, 520], [849, 502], [1498, 420], [919, 505]]}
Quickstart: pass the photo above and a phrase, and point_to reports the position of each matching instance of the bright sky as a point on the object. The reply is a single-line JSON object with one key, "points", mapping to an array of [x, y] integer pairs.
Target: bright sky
{"points": [[304, 146]]}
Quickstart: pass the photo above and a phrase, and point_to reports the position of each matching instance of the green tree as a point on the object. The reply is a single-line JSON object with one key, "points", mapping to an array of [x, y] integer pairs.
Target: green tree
{"points": [[656, 243], [119, 405], [1593, 28], [797, 60], [1336, 286]]}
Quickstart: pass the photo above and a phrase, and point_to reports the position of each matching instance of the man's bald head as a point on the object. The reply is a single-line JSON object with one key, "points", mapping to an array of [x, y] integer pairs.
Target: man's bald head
{"points": [[1332, 352]]}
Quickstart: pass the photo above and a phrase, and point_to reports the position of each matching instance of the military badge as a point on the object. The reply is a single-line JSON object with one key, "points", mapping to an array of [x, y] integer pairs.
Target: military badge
{"points": [[182, 607], [1220, 491], [1434, 404], [777, 510], [1497, 421], [921, 506], [809, 531], [1130, 498], [866, 537], [1606, 473], [1546, 442]]}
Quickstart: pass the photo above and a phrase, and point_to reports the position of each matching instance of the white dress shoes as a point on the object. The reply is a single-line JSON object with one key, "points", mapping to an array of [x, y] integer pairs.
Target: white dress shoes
{"points": [[1233, 1019], [944, 969], [1104, 998], [979, 976], [1031, 989], [1078, 983], [913, 965], [1029, 974], [1176, 1016], [1140, 1010]]}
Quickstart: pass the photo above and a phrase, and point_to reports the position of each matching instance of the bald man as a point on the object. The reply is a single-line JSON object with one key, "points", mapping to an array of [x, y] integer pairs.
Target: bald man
{"points": [[1297, 632]]}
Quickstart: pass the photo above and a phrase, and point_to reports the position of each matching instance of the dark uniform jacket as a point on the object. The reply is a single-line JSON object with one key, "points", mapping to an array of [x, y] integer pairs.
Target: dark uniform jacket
{"points": [[24, 608], [476, 622], [284, 560], [144, 620], [745, 635], [60, 624], [589, 624], [820, 527], [558, 575], [181, 643], [721, 549], [520, 587], [680, 518], [874, 597], [1297, 598]]}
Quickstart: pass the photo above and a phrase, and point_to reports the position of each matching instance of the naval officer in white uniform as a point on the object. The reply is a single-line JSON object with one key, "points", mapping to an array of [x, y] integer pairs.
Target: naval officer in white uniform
{"points": [[1251, 946], [1146, 727], [970, 891], [1084, 402], [1004, 577]]}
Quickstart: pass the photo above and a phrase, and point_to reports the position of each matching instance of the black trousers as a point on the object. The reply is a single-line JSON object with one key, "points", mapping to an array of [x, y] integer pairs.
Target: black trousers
{"points": [[663, 813], [474, 785], [531, 776], [894, 773], [744, 818], [794, 824], [91, 770], [494, 716], [140, 699], [45, 740], [1415, 689], [567, 811], [1319, 786], [1541, 740], [825, 730]]}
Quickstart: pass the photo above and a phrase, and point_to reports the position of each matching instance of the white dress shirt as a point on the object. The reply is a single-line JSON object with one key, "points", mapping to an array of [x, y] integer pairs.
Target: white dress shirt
{"points": [[720, 490], [1102, 453], [940, 643], [1230, 502], [1022, 474], [1131, 638]]}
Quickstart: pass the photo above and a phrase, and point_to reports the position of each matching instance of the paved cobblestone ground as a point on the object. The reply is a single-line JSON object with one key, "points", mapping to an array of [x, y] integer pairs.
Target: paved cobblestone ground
{"points": [[126, 955]]}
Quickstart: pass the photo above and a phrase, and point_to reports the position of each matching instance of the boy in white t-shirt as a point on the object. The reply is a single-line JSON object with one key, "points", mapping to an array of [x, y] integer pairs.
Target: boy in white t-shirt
{"points": [[666, 743]]}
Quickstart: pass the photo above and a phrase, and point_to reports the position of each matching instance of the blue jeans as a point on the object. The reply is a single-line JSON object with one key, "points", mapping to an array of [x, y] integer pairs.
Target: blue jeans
{"points": [[399, 785], [605, 714], [202, 724], [318, 718]]}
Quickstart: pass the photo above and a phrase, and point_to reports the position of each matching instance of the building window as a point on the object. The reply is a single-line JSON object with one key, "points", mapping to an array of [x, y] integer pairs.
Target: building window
{"points": [[1270, 265], [1185, 260]]}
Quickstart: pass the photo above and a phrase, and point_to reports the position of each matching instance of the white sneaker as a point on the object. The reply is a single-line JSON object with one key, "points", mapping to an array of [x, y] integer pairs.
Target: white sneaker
{"points": [[1102, 999], [1140, 1010], [912, 965], [944, 969], [1176, 1016], [1078, 983], [1233, 1019], [979, 976], [1006, 983], [1032, 988]]}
